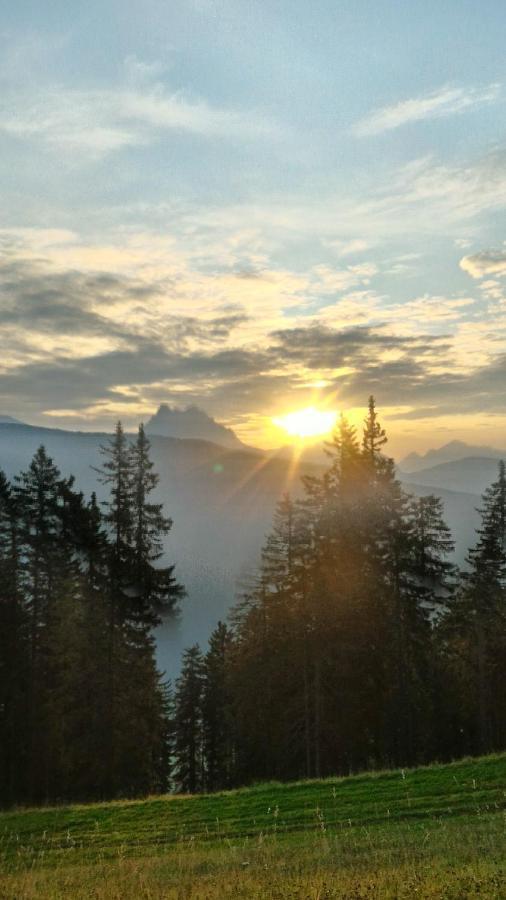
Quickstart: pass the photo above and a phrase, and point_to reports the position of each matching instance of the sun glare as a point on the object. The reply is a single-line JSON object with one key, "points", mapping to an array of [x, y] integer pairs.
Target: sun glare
{"points": [[307, 423]]}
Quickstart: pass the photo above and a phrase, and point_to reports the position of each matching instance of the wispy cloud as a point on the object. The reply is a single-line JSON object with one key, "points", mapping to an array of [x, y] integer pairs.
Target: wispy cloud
{"points": [[446, 101], [98, 122]]}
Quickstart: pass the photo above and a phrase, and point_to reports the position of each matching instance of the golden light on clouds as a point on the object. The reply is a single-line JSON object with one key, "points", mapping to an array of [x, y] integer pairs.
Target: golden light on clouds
{"points": [[307, 423]]}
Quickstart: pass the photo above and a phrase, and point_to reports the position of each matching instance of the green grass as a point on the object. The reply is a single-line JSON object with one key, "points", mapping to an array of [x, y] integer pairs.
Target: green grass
{"points": [[438, 831]]}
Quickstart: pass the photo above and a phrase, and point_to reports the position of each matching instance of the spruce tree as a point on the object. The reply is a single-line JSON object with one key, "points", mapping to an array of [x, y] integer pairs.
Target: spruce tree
{"points": [[166, 756], [155, 589], [139, 591], [475, 627], [116, 475], [95, 552], [188, 751], [51, 587], [217, 713]]}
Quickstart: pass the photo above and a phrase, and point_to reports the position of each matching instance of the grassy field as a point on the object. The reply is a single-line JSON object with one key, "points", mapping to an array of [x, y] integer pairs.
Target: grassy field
{"points": [[434, 832]]}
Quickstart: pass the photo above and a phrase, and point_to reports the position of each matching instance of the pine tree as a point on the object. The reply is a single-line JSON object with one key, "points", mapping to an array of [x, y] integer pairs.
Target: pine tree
{"points": [[426, 584], [432, 540], [166, 758], [156, 590], [189, 770], [217, 714], [348, 586], [374, 436], [51, 587], [139, 592], [475, 627], [116, 474], [90, 779]]}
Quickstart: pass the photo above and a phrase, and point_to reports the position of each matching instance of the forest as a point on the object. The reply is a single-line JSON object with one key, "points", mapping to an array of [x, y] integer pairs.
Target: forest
{"points": [[357, 645]]}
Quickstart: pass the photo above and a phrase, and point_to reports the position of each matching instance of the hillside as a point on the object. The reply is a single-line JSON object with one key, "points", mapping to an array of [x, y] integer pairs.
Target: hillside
{"points": [[431, 832]]}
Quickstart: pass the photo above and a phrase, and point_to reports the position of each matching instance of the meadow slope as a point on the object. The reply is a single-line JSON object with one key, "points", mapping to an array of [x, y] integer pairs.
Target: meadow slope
{"points": [[438, 831]]}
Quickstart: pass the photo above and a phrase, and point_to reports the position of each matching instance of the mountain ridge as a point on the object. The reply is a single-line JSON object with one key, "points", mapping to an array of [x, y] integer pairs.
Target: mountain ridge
{"points": [[453, 451], [473, 474]]}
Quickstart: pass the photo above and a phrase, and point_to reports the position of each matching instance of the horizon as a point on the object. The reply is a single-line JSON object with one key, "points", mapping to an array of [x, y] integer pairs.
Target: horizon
{"points": [[302, 444]]}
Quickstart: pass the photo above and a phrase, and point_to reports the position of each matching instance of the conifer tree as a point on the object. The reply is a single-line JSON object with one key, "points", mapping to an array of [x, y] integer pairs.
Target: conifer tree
{"points": [[374, 436], [475, 626], [189, 764], [155, 589], [432, 542], [95, 552], [138, 592], [217, 714], [166, 758], [116, 475], [50, 583]]}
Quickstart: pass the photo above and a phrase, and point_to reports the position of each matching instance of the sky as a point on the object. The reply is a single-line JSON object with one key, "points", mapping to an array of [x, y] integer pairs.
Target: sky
{"points": [[255, 207]]}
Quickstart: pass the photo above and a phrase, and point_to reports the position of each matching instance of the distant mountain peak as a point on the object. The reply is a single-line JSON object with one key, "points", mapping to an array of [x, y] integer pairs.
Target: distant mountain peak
{"points": [[191, 422], [453, 451]]}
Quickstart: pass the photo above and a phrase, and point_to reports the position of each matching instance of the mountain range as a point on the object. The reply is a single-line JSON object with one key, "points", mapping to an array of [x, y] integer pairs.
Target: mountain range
{"points": [[451, 452]]}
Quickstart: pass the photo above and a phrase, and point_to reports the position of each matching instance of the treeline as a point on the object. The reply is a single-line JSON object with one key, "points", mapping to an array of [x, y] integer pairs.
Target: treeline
{"points": [[358, 645], [83, 711]]}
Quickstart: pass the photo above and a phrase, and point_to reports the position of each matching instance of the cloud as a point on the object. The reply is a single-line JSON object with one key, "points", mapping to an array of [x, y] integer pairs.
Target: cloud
{"points": [[349, 247], [453, 394], [422, 199], [487, 262], [89, 344], [46, 312], [320, 347], [98, 122], [445, 101]]}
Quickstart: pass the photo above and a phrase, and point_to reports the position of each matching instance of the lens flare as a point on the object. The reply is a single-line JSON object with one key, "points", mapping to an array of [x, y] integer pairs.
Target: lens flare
{"points": [[307, 423]]}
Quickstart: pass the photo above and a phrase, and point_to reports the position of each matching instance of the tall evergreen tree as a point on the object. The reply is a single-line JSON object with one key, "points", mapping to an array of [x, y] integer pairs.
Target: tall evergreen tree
{"points": [[138, 592], [189, 763], [116, 474], [50, 583], [167, 749], [155, 589], [217, 713]]}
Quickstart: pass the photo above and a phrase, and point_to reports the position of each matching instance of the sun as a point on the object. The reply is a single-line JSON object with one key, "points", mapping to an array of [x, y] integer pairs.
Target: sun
{"points": [[307, 423]]}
